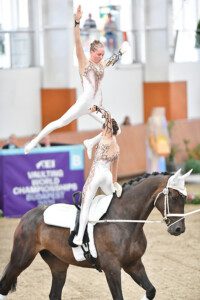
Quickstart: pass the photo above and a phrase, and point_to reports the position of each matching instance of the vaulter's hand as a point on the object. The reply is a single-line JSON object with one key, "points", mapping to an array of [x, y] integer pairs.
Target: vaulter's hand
{"points": [[78, 14], [118, 189], [93, 108]]}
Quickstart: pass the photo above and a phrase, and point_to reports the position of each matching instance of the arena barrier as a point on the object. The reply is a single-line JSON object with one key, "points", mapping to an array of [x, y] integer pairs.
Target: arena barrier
{"points": [[46, 176]]}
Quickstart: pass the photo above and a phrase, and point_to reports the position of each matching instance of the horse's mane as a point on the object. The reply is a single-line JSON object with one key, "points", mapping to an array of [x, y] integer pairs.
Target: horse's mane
{"points": [[138, 179]]}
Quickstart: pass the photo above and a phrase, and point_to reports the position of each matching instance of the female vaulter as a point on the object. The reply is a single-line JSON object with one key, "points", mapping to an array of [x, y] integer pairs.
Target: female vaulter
{"points": [[92, 72], [103, 172]]}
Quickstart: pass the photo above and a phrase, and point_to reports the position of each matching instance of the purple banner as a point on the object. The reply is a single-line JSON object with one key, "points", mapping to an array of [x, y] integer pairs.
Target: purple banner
{"points": [[42, 178]]}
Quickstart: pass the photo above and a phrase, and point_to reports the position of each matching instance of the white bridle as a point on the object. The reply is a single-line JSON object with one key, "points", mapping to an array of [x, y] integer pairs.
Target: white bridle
{"points": [[167, 213]]}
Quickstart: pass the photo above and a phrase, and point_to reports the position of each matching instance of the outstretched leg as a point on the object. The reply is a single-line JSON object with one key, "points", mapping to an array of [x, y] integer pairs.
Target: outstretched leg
{"points": [[90, 143], [58, 271], [75, 111], [138, 273]]}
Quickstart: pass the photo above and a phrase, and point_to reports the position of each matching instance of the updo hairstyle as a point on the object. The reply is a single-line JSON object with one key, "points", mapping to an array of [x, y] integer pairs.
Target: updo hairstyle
{"points": [[95, 45], [115, 127]]}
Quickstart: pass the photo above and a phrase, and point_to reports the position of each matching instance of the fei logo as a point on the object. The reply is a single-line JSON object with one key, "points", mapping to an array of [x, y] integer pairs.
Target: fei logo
{"points": [[46, 164]]}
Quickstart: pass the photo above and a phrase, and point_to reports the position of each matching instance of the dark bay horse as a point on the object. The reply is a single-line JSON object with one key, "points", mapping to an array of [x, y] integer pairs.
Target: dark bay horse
{"points": [[119, 245]]}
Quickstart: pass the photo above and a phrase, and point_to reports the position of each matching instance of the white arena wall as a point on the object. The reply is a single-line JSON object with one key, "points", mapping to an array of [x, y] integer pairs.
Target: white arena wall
{"points": [[20, 111], [189, 72]]}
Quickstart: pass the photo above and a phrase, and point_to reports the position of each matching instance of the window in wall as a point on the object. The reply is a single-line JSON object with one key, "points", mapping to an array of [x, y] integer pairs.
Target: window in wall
{"points": [[16, 38], [5, 15], [186, 14]]}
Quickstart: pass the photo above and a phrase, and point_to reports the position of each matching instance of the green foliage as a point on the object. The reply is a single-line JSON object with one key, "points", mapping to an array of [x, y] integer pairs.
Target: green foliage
{"points": [[197, 36], [194, 152], [172, 154], [192, 164], [193, 161], [193, 199]]}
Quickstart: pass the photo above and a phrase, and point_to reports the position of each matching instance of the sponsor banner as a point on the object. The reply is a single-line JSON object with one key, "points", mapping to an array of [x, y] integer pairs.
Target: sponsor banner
{"points": [[44, 177]]}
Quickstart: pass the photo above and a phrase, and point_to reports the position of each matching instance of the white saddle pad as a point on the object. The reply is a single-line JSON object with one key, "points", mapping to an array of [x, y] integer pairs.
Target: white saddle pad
{"points": [[64, 215]]}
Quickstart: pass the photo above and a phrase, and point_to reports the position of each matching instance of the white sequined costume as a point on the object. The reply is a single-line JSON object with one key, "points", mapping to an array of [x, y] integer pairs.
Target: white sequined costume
{"points": [[100, 176], [91, 81]]}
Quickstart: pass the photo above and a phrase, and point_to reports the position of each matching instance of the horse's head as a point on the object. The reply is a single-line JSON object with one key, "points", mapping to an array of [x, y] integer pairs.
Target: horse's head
{"points": [[170, 202]]}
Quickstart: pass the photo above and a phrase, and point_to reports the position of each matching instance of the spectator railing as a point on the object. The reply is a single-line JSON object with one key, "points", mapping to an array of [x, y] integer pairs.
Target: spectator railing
{"points": [[16, 49], [114, 41]]}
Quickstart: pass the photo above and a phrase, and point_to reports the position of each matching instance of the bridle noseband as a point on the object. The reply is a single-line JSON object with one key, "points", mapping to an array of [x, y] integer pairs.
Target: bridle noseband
{"points": [[165, 192], [167, 213]]}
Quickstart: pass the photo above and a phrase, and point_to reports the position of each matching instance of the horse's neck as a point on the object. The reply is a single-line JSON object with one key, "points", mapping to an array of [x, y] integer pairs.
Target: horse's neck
{"points": [[130, 209], [136, 202]]}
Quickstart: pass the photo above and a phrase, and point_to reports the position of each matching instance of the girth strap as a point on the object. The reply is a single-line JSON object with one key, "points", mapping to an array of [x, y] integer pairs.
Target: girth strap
{"points": [[92, 260]]}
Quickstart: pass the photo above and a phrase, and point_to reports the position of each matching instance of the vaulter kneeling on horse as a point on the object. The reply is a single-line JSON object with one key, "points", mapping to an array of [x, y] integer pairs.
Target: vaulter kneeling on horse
{"points": [[103, 172]]}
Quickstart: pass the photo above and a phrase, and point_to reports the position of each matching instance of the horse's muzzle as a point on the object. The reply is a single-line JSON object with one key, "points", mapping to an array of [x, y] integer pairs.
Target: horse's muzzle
{"points": [[176, 229]]}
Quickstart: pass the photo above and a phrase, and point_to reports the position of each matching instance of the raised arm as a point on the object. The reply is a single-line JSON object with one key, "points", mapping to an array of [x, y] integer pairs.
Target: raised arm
{"points": [[105, 115], [82, 60]]}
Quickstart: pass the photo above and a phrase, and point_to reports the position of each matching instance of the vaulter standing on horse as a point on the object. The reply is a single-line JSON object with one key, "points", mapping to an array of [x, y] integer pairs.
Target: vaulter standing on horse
{"points": [[91, 72], [103, 172]]}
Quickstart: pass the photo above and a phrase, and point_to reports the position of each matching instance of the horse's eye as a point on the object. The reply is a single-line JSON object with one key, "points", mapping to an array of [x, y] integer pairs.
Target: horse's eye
{"points": [[176, 196]]}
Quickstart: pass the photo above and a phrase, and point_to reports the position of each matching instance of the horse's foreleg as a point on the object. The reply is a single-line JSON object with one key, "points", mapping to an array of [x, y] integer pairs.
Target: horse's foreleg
{"points": [[58, 271], [113, 276], [138, 273]]}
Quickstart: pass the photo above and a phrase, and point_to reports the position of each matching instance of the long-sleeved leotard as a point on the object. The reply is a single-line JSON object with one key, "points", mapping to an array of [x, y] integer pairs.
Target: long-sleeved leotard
{"points": [[100, 175]]}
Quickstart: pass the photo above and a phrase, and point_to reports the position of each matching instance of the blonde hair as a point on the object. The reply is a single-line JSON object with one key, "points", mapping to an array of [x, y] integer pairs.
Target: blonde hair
{"points": [[95, 45]]}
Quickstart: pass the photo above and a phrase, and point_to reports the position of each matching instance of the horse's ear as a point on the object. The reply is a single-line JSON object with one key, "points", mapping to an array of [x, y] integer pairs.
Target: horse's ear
{"points": [[177, 174], [186, 174]]}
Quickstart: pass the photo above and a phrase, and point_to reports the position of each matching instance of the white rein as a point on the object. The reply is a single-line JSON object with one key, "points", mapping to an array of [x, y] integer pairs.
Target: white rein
{"points": [[167, 213]]}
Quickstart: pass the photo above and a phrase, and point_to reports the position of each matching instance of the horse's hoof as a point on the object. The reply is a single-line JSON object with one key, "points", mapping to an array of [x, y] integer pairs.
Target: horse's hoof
{"points": [[2, 297]]}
